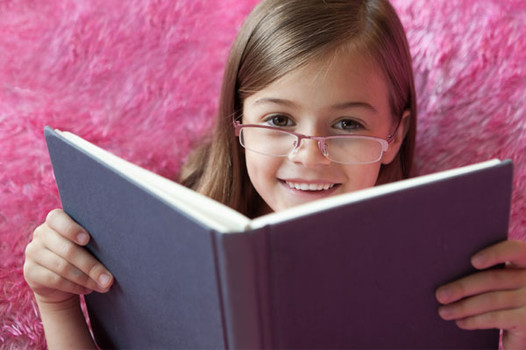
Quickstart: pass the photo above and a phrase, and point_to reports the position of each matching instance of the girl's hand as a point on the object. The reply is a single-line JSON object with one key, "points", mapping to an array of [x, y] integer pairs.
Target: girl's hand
{"points": [[57, 266], [491, 299]]}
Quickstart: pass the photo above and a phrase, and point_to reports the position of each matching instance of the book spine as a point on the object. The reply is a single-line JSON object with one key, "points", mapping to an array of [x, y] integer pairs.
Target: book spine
{"points": [[243, 275]]}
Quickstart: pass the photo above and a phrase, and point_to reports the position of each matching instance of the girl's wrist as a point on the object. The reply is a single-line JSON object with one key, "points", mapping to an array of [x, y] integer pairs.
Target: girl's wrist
{"points": [[64, 324], [68, 304]]}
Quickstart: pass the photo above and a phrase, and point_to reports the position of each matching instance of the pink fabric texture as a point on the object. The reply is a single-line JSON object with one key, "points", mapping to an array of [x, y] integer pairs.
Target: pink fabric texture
{"points": [[141, 79]]}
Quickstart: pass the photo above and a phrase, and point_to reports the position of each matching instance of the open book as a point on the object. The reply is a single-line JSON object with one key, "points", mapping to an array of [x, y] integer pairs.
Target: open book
{"points": [[357, 270]]}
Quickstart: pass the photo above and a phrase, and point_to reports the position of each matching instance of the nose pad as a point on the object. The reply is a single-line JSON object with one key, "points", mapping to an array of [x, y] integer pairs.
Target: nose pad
{"points": [[322, 145], [309, 154], [296, 147]]}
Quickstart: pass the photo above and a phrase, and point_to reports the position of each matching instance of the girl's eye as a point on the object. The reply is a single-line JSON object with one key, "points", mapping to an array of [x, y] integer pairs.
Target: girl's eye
{"points": [[348, 125], [279, 120]]}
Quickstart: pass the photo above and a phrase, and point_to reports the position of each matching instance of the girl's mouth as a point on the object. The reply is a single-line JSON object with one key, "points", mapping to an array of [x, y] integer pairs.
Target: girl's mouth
{"points": [[309, 187]]}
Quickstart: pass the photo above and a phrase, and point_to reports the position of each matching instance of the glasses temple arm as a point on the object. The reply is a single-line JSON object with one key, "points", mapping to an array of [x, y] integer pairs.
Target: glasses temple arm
{"points": [[390, 137]]}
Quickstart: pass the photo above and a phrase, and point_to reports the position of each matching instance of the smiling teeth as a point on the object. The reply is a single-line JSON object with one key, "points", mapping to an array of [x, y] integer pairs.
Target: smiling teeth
{"points": [[309, 187]]}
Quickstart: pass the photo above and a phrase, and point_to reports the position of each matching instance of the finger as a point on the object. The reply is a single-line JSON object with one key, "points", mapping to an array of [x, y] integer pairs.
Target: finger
{"points": [[503, 319], [513, 252], [66, 270], [79, 257], [483, 303], [38, 254], [481, 282], [62, 223], [47, 283]]}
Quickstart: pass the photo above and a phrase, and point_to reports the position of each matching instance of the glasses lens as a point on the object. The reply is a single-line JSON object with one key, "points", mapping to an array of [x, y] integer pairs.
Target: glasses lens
{"points": [[267, 141], [354, 150]]}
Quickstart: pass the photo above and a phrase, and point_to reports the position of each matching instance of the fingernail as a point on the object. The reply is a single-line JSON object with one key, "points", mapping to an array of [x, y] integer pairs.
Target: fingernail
{"points": [[462, 323], [104, 280], [82, 238], [478, 260], [444, 312], [443, 295]]}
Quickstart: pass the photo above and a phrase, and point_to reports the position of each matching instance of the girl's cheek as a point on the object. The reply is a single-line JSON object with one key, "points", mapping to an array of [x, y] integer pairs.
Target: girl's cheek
{"points": [[262, 170], [361, 176]]}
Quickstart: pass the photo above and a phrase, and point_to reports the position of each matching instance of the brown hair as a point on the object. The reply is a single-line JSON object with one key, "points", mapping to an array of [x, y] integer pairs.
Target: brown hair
{"points": [[278, 37]]}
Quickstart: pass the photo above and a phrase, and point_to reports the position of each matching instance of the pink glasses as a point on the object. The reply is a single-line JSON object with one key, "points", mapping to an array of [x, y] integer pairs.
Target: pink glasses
{"points": [[344, 149]]}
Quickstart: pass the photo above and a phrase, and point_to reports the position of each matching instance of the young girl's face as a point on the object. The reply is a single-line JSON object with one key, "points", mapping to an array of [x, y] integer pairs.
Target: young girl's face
{"points": [[346, 94]]}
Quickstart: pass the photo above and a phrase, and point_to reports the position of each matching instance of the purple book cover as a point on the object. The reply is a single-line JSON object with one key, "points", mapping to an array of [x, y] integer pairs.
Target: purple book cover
{"points": [[362, 275]]}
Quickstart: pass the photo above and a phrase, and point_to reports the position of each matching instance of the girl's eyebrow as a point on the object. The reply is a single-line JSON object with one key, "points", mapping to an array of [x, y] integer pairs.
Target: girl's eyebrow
{"points": [[273, 100], [338, 106], [353, 104]]}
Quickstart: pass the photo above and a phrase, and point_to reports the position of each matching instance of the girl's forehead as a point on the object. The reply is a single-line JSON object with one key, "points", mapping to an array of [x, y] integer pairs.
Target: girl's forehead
{"points": [[334, 79]]}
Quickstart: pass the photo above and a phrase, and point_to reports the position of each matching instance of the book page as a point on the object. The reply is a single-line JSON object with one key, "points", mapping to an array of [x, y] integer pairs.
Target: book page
{"points": [[351, 197], [204, 209]]}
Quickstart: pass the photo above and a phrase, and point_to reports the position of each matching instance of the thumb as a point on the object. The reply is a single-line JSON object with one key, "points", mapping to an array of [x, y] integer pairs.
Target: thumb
{"points": [[512, 253]]}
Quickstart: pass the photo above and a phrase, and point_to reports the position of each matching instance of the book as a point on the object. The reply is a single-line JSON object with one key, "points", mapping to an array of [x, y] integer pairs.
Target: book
{"points": [[357, 270]]}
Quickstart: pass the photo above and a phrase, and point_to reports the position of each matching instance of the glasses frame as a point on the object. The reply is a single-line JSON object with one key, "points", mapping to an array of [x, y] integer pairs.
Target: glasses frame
{"points": [[322, 145]]}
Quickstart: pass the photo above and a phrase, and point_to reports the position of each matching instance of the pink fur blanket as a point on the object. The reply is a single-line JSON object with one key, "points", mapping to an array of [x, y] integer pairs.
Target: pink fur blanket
{"points": [[141, 79]]}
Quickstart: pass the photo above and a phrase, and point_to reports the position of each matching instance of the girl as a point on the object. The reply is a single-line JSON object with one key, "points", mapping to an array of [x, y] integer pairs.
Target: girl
{"points": [[322, 99]]}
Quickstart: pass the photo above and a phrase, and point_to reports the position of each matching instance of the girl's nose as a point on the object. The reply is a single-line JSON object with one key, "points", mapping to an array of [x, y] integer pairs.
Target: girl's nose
{"points": [[308, 153]]}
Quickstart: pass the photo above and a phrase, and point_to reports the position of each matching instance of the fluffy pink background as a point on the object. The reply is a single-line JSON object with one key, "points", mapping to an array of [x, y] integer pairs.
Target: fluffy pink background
{"points": [[141, 79]]}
